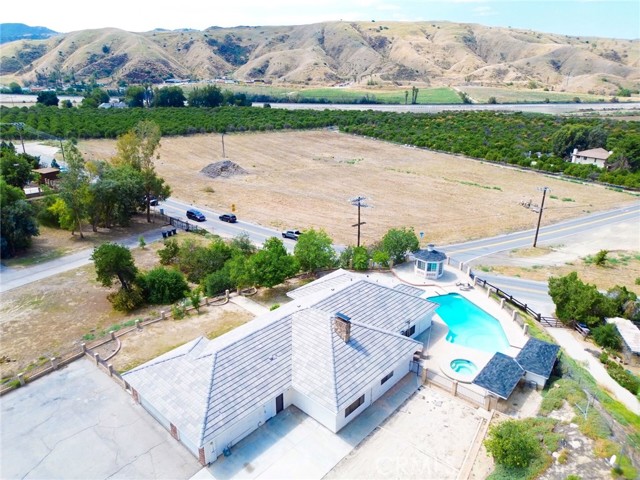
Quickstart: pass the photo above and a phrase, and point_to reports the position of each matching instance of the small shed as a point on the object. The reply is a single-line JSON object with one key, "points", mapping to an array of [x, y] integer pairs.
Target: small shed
{"points": [[429, 263], [47, 176], [537, 358]]}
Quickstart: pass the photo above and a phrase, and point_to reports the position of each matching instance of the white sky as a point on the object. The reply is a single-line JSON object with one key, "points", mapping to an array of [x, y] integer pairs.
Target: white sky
{"points": [[608, 18]]}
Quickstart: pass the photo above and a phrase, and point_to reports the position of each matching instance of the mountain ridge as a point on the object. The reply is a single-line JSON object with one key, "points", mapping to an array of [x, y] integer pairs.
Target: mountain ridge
{"points": [[358, 53]]}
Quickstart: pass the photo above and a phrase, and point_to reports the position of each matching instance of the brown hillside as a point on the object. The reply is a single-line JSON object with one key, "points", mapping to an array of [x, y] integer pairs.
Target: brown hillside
{"points": [[400, 53]]}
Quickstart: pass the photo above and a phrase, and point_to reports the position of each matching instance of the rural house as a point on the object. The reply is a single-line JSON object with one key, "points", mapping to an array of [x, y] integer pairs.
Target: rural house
{"points": [[336, 348], [594, 156]]}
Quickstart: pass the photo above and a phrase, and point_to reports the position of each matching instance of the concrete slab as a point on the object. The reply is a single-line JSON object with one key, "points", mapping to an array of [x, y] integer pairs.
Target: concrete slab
{"points": [[78, 423], [431, 436], [293, 445]]}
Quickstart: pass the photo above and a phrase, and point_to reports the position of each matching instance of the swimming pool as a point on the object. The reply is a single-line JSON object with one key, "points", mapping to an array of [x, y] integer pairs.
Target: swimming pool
{"points": [[469, 325]]}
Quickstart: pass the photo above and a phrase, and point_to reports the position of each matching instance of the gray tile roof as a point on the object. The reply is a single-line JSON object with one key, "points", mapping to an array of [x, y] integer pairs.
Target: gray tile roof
{"points": [[500, 376], [538, 357], [376, 305], [332, 372], [430, 255], [408, 289], [334, 279], [206, 384]]}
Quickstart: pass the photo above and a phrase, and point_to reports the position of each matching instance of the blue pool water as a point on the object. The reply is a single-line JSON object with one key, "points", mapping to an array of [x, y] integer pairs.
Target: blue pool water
{"points": [[463, 367], [469, 325]]}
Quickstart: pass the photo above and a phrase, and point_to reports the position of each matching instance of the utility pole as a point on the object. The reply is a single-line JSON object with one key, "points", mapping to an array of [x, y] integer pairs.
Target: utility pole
{"points": [[358, 202], [544, 193], [223, 154]]}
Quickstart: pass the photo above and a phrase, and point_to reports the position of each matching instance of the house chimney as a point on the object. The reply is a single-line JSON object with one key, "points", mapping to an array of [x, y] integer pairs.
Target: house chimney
{"points": [[430, 247], [342, 326]]}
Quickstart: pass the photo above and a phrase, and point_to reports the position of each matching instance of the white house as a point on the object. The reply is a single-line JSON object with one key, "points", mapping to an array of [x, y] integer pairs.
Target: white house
{"points": [[429, 263], [336, 348], [594, 156], [630, 334]]}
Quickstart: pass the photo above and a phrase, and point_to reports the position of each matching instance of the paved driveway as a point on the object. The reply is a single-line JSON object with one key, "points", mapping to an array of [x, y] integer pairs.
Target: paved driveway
{"points": [[78, 423]]}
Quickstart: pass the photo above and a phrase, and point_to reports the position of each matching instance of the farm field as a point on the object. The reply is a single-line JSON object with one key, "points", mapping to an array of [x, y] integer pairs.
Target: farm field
{"points": [[439, 95], [305, 180], [507, 95]]}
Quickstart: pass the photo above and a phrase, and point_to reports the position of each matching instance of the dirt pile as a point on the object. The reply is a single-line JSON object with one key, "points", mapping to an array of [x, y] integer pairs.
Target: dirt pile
{"points": [[225, 168]]}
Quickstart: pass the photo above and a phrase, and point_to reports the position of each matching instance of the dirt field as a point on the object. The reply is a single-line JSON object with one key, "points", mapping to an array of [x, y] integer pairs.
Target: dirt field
{"points": [[305, 179]]}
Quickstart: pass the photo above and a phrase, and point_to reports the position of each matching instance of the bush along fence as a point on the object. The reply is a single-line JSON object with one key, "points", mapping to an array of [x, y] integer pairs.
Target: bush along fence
{"points": [[50, 365]]}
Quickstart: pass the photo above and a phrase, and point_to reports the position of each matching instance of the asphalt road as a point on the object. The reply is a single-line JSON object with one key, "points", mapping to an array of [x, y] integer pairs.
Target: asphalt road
{"points": [[535, 293], [527, 291]]}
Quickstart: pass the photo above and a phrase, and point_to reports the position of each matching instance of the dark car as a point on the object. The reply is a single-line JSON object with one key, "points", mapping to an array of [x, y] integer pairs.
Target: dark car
{"points": [[292, 234], [228, 217], [196, 215], [153, 201]]}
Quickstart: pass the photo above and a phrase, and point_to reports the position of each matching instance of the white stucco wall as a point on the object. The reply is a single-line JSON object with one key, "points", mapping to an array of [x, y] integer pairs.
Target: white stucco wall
{"points": [[533, 377], [400, 369], [316, 411]]}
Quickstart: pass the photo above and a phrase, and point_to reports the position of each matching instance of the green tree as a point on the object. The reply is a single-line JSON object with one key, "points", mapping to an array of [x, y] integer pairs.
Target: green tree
{"points": [[15, 88], [74, 188], [314, 250], [94, 98], [168, 97], [398, 241], [198, 261], [17, 170], [272, 265], [169, 253], [209, 96], [511, 444], [360, 259], [114, 261], [242, 242], [17, 220], [47, 98], [607, 336], [162, 286], [239, 271], [576, 301], [218, 281], [138, 148], [134, 96]]}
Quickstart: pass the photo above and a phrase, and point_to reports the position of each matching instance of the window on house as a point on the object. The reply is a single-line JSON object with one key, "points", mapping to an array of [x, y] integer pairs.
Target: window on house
{"points": [[410, 331], [353, 407], [386, 377], [432, 267], [421, 265]]}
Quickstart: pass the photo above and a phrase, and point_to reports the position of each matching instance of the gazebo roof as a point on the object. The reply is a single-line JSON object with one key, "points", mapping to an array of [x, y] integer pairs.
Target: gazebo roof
{"points": [[430, 255]]}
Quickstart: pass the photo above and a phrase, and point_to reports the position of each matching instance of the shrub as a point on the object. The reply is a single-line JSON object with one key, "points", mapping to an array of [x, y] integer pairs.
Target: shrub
{"points": [[217, 282], [624, 378], [607, 336], [127, 300], [162, 286], [273, 307], [169, 253], [381, 258], [360, 259], [600, 258], [178, 311], [512, 445]]}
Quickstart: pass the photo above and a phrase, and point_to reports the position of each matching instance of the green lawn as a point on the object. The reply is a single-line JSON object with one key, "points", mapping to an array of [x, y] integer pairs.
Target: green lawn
{"points": [[440, 95], [507, 95]]}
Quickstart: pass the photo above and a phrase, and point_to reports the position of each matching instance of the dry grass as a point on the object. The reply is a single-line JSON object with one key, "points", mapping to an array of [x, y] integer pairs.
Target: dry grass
{"points": [[305, 179], [616, 272]]}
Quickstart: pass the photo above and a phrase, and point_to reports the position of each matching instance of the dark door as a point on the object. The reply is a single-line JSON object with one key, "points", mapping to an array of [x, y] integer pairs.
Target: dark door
{"points": [[279, 403]]}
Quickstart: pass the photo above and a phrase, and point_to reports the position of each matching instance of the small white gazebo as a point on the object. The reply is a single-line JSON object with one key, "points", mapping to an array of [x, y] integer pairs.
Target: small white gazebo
{"points": [[429, 263]]}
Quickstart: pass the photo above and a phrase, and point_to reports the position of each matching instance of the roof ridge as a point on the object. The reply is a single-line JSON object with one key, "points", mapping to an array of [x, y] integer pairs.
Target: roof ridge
{"points": [[386, 332], [333, 357], [207, 403]]}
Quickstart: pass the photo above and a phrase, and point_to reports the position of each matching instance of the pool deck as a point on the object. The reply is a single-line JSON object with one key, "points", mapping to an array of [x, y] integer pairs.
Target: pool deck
{"points": [[438, 352]]}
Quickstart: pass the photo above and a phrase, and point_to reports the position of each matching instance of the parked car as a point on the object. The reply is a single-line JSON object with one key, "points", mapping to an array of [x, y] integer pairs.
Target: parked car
{"points": [[195, 215], [153, 201], [292, 234], [228, 217]]}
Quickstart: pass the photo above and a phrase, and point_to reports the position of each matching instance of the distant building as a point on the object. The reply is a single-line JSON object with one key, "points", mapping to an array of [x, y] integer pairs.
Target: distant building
{"points": [[113, 105], [595, 156]]}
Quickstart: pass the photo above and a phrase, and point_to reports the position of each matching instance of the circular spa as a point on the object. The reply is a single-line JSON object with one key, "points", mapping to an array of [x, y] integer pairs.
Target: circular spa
{"points": [[463, 367]]}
